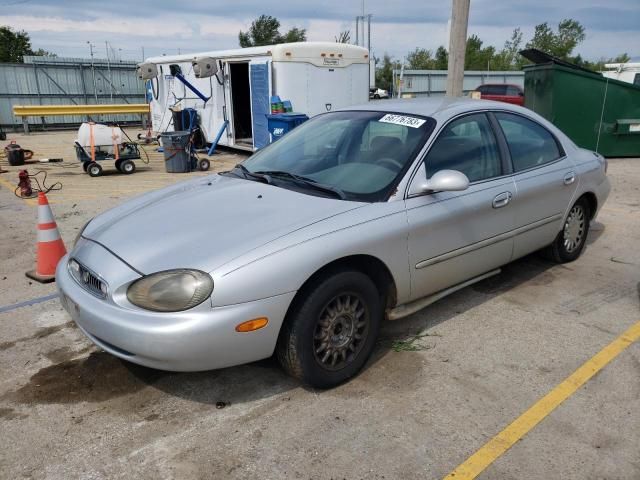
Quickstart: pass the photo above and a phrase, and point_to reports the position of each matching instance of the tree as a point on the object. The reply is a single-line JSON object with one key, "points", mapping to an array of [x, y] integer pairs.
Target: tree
{"points": [[265, 30], [509, 58], [384, 75], [41, 52], [561, 44], [294, 35], [442, 59], [420, 59], [344, 37], [476, 57], [14, 45]]}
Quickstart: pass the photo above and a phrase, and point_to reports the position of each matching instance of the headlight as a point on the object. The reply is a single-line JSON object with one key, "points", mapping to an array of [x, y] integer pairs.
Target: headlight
{"points": [[75, 240], [171, 290]]}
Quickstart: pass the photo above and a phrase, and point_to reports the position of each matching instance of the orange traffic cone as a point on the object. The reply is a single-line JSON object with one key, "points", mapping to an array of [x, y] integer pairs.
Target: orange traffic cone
{"points": [[50, 248]]}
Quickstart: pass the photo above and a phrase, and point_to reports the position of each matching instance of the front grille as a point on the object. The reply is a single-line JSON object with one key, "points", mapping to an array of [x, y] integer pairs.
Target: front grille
{"points": [[87, 279]]}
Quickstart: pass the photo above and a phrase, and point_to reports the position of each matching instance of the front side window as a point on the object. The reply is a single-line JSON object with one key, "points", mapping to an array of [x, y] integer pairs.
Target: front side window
{"points": [[467, 145], [530, 144], [362, 154]]}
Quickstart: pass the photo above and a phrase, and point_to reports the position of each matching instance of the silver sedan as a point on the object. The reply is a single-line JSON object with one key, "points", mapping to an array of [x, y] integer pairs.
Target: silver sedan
{"points": [[304, 249]]}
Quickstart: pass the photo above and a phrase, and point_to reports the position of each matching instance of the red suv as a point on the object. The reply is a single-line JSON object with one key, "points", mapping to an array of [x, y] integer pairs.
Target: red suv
{"points": [[502, 92]]}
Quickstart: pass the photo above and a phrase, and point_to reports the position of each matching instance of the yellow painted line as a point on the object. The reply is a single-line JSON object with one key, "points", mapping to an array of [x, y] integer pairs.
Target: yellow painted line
{"points": [[12, 187], [504, 440]]}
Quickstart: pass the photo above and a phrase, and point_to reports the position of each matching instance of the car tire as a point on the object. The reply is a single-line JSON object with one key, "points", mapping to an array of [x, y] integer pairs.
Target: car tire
{"points": [[119, 165], [127, 167], [318, 342], [376, 96], [94, 169], [570, 242]]}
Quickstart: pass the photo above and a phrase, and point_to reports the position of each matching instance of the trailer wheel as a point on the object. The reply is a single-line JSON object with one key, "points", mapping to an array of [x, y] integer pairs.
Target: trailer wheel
{"points": [[94, 169], [127, 167], [204, 165]]}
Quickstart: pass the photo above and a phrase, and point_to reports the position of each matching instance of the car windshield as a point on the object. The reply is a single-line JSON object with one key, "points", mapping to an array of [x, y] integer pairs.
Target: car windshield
{"points": [[353, 155]]}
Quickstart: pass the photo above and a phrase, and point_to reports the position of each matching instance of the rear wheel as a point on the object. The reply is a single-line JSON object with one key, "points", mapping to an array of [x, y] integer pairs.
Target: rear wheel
{"points": [[204, 165], [94, 169], [127, 167], [330, 333], [570, 242]]}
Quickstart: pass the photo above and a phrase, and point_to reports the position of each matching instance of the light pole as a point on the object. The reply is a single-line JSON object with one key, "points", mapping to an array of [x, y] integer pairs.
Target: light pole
{"points": [[106, 47], [93, 72]]}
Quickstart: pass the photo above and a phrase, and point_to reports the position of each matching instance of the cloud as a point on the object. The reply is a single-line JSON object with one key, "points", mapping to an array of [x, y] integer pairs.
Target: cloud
{"points": [[163, 26]]}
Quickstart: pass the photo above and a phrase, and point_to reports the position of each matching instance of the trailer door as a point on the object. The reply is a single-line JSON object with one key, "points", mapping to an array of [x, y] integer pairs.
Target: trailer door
{"points": [[259, 75]]}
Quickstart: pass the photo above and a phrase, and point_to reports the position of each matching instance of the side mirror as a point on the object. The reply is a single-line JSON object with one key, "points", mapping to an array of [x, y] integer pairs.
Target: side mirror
{"points": [[441, 181]]}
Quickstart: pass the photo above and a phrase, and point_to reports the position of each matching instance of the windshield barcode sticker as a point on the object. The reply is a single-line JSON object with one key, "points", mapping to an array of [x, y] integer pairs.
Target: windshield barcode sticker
{"points": [[412, 122]]}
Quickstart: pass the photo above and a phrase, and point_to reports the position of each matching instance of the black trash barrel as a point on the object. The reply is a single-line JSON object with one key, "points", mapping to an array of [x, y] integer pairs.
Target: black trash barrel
{"points": [[176, 156]]}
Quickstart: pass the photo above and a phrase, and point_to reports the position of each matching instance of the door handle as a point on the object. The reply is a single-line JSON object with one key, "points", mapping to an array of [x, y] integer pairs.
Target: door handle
{"points": [[501, 199], [569, 178]]}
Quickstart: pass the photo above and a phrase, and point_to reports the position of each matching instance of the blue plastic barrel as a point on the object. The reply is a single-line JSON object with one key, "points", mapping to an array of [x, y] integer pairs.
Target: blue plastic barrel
{"points": [[282, 123]]}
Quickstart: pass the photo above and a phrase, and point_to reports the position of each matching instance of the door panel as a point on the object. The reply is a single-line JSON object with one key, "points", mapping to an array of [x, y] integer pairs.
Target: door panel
{"points": [[540, 201], [260, 103], [545, 181], [455, 236]]}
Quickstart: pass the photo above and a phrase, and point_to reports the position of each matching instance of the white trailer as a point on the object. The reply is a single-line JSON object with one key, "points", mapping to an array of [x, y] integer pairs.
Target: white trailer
{"points": [[625, 72], [315, 76]]}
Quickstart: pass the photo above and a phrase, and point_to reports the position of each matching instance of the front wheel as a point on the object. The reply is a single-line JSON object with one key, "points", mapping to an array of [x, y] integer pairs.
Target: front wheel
{"points": [[570, 242], [330, 332]]}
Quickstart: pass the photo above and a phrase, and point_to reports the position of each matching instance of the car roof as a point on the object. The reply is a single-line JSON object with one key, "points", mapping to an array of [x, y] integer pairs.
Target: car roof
{"points": [[440, 107], [499, 85]]}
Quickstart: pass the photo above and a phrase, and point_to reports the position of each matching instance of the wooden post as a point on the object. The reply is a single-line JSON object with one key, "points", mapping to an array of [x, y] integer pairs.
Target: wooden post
{"points": [[457, 47]]}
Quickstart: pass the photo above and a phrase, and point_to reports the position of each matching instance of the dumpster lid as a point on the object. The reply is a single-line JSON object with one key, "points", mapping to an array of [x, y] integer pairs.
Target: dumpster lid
{"points": [[538, 57]]}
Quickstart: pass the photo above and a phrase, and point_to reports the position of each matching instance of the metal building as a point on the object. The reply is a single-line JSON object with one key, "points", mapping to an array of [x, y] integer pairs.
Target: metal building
{"points": [[431, 83], [67, 81]]}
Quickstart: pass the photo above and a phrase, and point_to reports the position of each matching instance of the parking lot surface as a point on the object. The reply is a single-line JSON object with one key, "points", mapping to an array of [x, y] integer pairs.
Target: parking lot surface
{"points": [[440, 385]]}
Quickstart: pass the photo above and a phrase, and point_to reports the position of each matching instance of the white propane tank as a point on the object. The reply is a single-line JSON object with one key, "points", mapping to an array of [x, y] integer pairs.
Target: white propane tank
{"points": [[103, 136]]}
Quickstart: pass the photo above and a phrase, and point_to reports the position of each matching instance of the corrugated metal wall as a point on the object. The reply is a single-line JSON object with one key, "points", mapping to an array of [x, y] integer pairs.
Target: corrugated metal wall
{"points": [[431, 83], [67, 81]]}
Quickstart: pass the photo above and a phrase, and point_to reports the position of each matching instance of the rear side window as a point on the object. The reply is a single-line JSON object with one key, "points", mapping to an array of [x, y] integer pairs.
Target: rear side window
{"points": [[636, 79], [467, 145], [513, 91], [530, 144]]}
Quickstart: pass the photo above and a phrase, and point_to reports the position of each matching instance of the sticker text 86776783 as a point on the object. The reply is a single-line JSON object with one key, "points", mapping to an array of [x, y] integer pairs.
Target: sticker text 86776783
{"points": [[412, 122]]}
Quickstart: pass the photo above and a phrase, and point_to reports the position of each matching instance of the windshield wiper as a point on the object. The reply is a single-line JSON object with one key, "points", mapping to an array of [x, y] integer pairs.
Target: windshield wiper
{"points": [[305, 180], [249, 175]]}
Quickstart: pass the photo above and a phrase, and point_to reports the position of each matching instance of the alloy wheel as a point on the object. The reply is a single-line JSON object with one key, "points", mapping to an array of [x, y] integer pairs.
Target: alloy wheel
{"points": [[341, 331], [574, 229]]}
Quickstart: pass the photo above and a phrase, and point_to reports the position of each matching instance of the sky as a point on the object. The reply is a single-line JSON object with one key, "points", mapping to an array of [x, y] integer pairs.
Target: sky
{"points": [[398, 26]]}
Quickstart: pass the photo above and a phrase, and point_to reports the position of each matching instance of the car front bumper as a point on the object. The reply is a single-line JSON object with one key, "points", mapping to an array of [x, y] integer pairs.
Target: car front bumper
{"points": [[202, 338]]}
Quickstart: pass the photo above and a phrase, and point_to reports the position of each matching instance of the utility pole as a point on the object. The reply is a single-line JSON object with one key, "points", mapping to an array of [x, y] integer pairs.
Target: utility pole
{"points": [[93, 72], [358, 30], [143, 53], [457, 47]]}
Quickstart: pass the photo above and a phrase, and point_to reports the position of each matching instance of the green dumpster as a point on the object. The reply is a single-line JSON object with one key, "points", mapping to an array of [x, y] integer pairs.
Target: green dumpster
{"points": [[596, 112]]}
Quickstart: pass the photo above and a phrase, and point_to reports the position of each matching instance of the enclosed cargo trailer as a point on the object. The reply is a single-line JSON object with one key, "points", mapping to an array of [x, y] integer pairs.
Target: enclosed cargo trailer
{"points": [[315, 77]]}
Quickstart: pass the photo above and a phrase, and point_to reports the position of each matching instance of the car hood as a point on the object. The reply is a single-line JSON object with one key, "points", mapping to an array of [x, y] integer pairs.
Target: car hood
{"points": [[204, 224]]}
